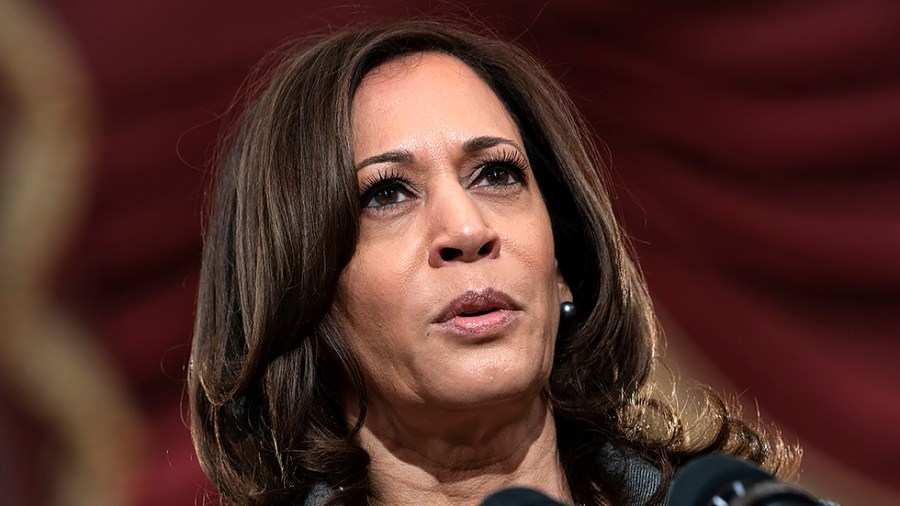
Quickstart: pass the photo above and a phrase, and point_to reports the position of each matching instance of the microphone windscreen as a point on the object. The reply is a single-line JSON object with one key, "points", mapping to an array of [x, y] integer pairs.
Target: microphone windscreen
{"points": [[519, 496], [701, 479], [726, 481]]}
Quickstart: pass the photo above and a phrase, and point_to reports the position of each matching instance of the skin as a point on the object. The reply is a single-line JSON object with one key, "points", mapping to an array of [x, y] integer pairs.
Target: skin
{"points": [[452, 414]]}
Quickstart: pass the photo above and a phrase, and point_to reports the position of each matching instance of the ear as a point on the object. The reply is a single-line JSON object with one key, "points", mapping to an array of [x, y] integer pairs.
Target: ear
{"points": [[562, 288]]}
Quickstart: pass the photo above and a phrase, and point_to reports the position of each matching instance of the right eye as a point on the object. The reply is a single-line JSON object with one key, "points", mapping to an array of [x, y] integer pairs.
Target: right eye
{"points": [[385, 194]]}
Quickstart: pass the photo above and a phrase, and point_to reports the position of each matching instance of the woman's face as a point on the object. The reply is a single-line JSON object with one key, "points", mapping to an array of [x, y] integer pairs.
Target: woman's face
{"points": [[451, 300]]}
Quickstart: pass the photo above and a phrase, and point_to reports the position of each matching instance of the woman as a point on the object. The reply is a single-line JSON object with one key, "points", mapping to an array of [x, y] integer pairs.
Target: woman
{"points": [[404, 218]]}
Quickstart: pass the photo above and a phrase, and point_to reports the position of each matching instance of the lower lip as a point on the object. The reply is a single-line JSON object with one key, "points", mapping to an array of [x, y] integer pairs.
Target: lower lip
{"points": [[485, 325]]}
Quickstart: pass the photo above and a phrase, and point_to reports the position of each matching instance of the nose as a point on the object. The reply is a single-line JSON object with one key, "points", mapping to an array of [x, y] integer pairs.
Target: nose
{"points": [[460, 232]]}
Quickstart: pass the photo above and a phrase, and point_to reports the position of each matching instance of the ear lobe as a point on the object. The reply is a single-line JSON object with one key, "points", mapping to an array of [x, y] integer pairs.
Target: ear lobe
{"points": [[562, 288]]}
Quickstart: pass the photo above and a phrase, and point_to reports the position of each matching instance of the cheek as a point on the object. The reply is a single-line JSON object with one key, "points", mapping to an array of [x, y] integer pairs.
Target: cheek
{"points": [[373, 295], [534, 242], [359, 290], [358, 318], [371, 310]]}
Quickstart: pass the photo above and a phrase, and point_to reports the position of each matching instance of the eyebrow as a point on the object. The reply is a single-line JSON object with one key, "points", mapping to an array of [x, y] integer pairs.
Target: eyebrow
{"points": [[481, 143], [473, 145], [397, 156]]}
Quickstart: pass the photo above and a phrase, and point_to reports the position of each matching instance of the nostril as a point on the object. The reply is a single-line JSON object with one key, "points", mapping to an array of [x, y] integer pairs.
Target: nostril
{"points": [[448, 254], [485, 248]]}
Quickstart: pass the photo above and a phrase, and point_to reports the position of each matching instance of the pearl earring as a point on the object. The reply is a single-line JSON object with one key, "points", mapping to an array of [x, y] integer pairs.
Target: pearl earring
{"points": [[567, 311]]}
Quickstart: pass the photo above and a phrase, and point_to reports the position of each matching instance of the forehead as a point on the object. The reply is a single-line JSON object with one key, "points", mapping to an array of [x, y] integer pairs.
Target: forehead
{"points": [[424, 97]]}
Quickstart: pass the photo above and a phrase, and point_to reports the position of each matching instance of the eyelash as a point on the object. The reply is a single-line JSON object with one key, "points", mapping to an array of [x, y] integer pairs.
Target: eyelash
{"points": [[382, 179], [507, 159], [510, 160]]}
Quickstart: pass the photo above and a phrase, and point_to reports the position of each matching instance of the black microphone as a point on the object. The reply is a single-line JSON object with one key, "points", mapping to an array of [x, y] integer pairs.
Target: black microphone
{"points": [[720, 480], [519, 496]]}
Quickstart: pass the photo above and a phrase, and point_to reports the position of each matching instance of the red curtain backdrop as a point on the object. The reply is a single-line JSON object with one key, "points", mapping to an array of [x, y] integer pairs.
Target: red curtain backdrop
{"points": [[755, 149]]}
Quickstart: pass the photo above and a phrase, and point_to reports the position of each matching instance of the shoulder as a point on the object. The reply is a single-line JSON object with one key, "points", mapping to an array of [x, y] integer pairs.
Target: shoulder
{"points": [[318, 495], [640, 478]]}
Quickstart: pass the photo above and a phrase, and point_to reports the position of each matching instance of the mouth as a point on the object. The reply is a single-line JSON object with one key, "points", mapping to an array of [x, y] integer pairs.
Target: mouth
{"points": [[469, 314], [475, 303]]}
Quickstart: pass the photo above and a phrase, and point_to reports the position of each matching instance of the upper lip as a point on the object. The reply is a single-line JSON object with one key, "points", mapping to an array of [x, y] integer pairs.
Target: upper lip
{"points": [[474, 301]]}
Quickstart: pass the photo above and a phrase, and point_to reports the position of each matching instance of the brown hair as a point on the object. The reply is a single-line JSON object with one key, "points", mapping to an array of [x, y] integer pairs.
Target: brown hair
{"points": [[267, 358]]}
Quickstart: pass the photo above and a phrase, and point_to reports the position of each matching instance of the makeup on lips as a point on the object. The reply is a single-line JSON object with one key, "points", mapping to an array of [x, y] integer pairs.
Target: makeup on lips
{"points": [[479, 313]]}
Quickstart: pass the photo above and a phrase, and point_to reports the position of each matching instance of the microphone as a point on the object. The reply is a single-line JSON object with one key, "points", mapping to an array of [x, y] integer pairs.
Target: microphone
{"points": [[720, 480], [519, 496]]}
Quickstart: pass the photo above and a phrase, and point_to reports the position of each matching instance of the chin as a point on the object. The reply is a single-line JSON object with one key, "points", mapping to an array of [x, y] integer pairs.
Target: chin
{"points": [[484, 388]]}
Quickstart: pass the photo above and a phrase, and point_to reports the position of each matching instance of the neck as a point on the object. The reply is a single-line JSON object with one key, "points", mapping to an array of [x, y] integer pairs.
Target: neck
{"points": [[461, 458]]}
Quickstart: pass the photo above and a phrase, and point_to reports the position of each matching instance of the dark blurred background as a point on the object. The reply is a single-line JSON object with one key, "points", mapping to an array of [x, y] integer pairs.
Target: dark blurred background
{"points": [[755, 153]]}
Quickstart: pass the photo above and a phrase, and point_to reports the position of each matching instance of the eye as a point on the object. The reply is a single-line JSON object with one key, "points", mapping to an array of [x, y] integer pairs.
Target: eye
{"points": [[498, 176], [384, 193], [506, 170]]}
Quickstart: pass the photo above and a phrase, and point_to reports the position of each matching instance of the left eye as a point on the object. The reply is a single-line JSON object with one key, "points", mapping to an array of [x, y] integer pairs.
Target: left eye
{"points": [[498, 176]]}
